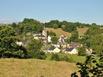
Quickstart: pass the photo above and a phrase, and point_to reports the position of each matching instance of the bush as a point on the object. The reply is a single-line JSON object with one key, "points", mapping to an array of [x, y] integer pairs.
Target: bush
{"points": [[51, 33], [37, 54], [54, 40], [64, 58], [81, 51], [40, 55], [59, 57], [92, 67], [55, 57]]}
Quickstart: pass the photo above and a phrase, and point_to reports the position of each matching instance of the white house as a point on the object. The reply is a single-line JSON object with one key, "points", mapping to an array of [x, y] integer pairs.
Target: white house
{"points": [[71, 51], [61, 39], [89, 51], [55, 50], [19, 43], [44, 33], [49, 39]]}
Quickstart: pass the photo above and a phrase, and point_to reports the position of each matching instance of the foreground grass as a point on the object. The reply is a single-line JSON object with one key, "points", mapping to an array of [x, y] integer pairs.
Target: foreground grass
{"points": [[71, 58], [35, 68]]}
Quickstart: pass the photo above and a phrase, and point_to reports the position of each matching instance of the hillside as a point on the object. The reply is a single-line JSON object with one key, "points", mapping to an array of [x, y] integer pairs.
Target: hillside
{"points": [[35, 68], [59, 31], [81, 31]]}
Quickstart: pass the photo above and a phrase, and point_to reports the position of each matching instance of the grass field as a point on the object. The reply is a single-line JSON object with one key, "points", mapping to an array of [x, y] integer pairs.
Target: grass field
{"points": [[35, 68], [59, 31], [82, 31]]}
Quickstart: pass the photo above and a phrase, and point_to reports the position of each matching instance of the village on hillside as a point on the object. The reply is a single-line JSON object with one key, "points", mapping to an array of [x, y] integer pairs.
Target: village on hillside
{"points": [[60, 46]]}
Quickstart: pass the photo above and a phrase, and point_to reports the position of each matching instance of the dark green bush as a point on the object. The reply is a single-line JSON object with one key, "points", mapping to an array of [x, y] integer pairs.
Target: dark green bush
{"points": [[81, 51], [40, 55], [37, 54], [55, 57]]}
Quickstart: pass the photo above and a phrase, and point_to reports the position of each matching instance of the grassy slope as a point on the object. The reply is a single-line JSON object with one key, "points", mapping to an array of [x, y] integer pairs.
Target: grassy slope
{"points": [[82, 31], [59, 31], [35, 68]]}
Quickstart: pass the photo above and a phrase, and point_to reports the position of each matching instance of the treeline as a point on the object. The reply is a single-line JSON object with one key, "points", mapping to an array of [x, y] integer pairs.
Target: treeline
{"points": [[68, 26]]}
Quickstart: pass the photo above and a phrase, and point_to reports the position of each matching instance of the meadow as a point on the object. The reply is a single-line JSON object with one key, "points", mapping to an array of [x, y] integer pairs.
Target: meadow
{"points": [[35, 68]]}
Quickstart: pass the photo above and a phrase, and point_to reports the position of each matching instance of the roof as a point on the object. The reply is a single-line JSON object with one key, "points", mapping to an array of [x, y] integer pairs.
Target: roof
{"points": [[51, 48], [69, 49]]}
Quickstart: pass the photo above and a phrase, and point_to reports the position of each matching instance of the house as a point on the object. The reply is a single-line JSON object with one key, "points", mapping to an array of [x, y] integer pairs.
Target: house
{"points": [[56, 45], [44, 33], [89, 51], [53, 50], [19, 43], [49, 39], [74, 45], [41, 36], [61, 40], [71, 51]]}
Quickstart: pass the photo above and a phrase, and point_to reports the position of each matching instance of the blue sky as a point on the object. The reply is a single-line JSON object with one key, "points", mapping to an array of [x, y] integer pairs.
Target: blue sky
{"points": [[85, 11]]}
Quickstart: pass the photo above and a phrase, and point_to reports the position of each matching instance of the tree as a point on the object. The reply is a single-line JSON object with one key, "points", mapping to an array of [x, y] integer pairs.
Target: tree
{"points": [[8, 48], [34, 48], [6, 31], [55, 57], [31, 25], [53, 24], [92, 67], [54, 40], [94, 39], [68, 26], [74, 36], [82, 51], [51, 33]]}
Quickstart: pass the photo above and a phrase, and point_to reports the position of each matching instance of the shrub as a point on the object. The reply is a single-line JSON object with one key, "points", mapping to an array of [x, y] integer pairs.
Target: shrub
{"points": [[92, 67], [54, 40], [40, 55], [81, 51], [64, 58], [37, 54], [51, 33], [55, 57]]}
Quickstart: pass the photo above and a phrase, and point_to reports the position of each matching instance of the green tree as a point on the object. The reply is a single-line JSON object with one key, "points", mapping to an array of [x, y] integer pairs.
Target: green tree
{"points": [[55, 57], [34, 48], [6, 31], [31, 25], [8, 48], [54, 40], [53, 24], [74, 36], [82, 51], [51, 33], [68, 26], [92, 67]]}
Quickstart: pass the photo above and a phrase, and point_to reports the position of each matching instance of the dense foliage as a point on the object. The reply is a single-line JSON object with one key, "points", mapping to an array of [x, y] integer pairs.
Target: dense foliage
{"points": [[94, 39], [92, 67], [8, 47], [10, 34], [66, 26]]}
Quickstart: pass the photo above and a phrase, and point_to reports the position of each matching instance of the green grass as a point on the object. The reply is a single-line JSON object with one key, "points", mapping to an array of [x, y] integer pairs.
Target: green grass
{"points": [[35, 68], [72, 58], [76, 58]]}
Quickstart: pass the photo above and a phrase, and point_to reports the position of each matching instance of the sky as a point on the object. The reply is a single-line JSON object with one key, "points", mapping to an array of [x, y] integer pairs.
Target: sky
{"points": [[84, 11]]}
